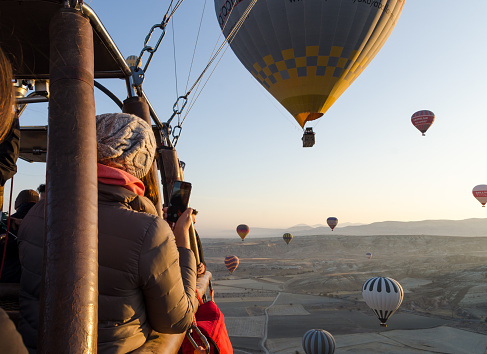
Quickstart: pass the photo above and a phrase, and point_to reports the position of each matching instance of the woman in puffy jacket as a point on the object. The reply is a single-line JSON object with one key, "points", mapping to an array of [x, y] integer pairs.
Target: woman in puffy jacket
{"points": [[147, 272]]}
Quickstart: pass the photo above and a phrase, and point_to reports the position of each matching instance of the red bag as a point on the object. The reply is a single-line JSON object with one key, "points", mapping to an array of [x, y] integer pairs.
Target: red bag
{"points": [[211, 324]]}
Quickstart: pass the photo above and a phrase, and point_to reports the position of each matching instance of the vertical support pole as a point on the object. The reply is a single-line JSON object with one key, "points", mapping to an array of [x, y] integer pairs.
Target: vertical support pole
{"points": [[69, 293], [139, 107], [170, 172], [1, 198]]}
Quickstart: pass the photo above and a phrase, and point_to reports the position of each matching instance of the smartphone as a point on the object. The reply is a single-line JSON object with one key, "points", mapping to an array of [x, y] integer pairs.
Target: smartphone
{"points": [[179, 200]]}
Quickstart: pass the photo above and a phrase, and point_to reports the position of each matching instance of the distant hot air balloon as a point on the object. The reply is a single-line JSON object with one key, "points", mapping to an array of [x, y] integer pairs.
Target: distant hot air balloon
{"points": [[480, 192], [307, 53], [369, 255], [332, 222], [422, 120], [232, 263], [287, 237], [242, 231], [384, 296], [318, 341]]}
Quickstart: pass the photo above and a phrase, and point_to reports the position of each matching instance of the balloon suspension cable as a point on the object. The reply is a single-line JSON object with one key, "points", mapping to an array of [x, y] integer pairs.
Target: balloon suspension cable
{"points": [[225, 44], [195, 45], [8, 226]]}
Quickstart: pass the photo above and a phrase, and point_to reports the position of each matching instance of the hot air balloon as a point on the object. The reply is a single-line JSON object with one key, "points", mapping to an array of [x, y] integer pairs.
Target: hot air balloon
{"points": [[384, 296], [422, 120], [287, 237], [480, 192], [369, 255], [307, 53], [332, 222], [242, 231], [318, 341], [231, 263]]}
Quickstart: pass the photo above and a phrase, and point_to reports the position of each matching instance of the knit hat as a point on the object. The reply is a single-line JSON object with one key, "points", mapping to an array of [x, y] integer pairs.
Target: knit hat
{"points": [[126, 142], [26, 196]]}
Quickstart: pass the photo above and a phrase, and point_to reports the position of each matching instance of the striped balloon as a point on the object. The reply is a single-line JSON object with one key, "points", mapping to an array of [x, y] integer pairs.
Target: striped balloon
{"points": [[422, 120], [384, 296], [318, 341], [243, 231], [287, 237], [480, 192], [232, 263], [332, 222]]}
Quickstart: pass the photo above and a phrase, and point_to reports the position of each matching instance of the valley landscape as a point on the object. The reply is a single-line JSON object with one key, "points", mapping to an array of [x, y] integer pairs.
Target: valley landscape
{"points": [[280, 291]]}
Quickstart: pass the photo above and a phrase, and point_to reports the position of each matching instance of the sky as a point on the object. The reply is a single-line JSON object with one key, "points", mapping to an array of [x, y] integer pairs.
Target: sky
{"points": [[243, 151]]}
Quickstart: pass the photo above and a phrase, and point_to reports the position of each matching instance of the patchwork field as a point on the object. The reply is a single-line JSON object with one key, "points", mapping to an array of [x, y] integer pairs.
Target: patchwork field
{"points": [[280, 291]]}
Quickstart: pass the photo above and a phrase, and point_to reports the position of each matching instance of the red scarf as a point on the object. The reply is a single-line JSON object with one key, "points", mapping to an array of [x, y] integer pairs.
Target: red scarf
{"points": [[116, 177]]}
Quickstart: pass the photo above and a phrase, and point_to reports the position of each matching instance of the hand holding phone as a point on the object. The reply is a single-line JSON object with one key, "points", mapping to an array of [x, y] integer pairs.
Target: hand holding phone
{"points": [[179, 200]]}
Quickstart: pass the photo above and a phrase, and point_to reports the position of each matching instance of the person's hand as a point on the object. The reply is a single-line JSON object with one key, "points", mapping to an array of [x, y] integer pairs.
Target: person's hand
{"points": [[201, 269], [200, 350], [181, 229]]}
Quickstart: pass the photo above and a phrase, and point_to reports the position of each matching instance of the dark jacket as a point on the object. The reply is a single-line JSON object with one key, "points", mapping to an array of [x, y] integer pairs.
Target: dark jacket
{"points": [[9, 153], [145, 281]]}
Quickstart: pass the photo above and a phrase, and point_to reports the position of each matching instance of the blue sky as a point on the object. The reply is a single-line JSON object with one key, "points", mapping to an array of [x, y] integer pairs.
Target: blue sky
{"points": [[243, 151]]}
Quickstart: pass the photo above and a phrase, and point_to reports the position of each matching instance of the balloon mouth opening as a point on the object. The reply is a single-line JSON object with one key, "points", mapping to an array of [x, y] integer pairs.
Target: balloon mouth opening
{"points": [[304, 117]]}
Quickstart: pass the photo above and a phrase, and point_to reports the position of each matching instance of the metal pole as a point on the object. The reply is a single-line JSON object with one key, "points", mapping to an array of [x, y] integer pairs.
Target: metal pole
{"points": [[69, 294], [170, 172], [139, 107]]}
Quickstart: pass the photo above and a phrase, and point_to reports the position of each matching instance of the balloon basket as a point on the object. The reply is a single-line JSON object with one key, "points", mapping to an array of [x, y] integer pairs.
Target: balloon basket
{"points": [[308, 137], [383, 325]]}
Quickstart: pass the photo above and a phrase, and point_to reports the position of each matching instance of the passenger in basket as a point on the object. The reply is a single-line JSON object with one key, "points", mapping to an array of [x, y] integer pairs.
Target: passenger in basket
{"points": [[11, 267], [147, 273]]}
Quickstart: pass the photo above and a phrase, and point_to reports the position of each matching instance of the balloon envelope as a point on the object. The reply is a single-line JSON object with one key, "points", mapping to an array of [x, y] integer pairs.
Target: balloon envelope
{"points": [[383, 296], [287, 237], [422, 120], [480, 192], [307, 53], [231, 262], [318, 341], [242, 231], [332, 222]]}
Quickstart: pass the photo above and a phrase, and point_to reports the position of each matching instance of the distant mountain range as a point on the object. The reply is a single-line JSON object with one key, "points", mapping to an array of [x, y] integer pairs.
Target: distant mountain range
{"points": [[466, 228]]}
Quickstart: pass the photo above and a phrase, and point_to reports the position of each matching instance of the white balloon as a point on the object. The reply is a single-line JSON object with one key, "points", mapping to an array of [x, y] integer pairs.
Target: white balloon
{"points": [[384, 296]]}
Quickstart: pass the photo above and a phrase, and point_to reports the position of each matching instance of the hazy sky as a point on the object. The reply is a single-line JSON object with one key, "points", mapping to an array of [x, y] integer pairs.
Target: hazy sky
{"points": [[244, 154]]}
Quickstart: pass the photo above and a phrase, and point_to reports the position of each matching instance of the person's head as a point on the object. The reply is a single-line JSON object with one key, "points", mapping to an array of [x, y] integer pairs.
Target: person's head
{"points": [[26, 196], [193, 216], [7, 98], [126, 142], [42, 191]]}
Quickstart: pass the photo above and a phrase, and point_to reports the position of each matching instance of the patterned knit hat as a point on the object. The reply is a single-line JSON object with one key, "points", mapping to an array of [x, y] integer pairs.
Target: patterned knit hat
{"points": [[26, 196], [126, 142]]}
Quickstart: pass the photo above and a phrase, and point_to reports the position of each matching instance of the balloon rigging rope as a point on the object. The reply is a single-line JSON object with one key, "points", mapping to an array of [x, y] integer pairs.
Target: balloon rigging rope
{"points": [[166, 17], [175, 62], [225, 44], [195, 44]]}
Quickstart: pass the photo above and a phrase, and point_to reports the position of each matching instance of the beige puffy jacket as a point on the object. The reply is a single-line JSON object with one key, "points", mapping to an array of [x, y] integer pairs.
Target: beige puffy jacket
{"points": [[145, 281]]}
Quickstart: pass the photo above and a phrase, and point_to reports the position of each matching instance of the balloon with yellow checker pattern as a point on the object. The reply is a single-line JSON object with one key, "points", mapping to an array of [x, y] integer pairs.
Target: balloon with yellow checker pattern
{"points": [[306, 53]]}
